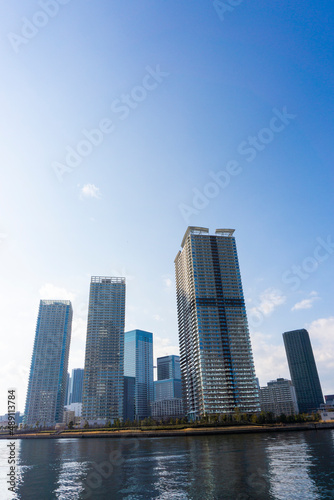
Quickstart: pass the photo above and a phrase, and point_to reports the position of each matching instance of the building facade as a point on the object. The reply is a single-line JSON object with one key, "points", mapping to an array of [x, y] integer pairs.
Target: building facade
{"points": [[138, 363], [303, 370], [167, 389], [48, 372], [168, 367], [67, 392], [76, 385], [103, 382], [329, 399], [279, 397], [167, 408], [129, 399], [216, 358]]}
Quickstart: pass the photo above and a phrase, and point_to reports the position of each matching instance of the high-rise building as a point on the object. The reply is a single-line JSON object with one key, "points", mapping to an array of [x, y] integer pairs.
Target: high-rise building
{"points": [[76, 386], [103, 383], [168, 384], [167, 389], [68, 390], [129, 399], [216, 358], [48, 371], [167, 408], [169, 367], [303, 370], [279, 397], [138, 363]]}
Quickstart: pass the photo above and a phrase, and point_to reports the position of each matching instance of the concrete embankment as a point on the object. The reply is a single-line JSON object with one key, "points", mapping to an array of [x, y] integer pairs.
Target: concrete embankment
{"points": [[203, 431]]}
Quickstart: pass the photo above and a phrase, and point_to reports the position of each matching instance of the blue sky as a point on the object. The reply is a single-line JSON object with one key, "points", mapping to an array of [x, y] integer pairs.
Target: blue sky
{"points": [[242, 96]]}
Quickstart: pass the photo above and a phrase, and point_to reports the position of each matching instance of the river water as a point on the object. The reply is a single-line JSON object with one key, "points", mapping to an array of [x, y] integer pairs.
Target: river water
{"points": [[291, 465]]}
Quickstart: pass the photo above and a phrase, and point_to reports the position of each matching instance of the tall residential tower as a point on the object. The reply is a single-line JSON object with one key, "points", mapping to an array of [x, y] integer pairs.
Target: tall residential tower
{"points": [[303, 370], [217, 368], [104, 369], [48, 371]]}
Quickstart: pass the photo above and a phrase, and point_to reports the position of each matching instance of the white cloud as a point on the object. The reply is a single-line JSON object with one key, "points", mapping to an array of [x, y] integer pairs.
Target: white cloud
{"points": [[269, 358], [168, 282], [79, 328], [90, 191], [52, 292], [157, 317], [306, 303], [270, 299], [162, 347], [122, 273]]}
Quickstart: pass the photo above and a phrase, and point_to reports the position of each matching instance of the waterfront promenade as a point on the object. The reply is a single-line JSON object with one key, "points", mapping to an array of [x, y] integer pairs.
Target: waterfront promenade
{"points": [[186, 431]]}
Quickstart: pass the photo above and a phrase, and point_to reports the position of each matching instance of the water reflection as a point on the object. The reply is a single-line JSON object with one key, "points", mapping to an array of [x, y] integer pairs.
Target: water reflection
{"points": [[239, 467], [301, 465]]}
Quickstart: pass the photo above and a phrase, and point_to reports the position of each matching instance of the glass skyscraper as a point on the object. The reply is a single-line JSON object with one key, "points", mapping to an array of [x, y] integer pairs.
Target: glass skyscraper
{"points": [[216, 358], [76, 385], [48, 371], [168, 385], [129, 399], [138, 363], [303, 370], [168, 367], [104, 360]]}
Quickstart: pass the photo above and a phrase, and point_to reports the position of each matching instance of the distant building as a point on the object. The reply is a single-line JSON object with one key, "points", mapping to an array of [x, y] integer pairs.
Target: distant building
{"points": [[327, 414], [68, 416], [169, 367], [216, 358], [76, 385], [329, 399], [76, 407], [129, 399], [48, 371], [167, 389], [67, 393], [138, 363], [168, 384], [279, 397], [102, 398], [167, 408], [4, 419], [303, 370]]}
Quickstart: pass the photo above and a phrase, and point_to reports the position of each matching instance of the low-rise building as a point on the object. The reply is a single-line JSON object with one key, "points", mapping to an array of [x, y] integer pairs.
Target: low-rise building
{"points": [[167, 408], [279, 397]]}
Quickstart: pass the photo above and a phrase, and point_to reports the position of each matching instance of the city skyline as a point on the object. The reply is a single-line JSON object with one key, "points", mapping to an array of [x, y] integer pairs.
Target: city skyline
{"points": [[228, 124], [265, 379]]}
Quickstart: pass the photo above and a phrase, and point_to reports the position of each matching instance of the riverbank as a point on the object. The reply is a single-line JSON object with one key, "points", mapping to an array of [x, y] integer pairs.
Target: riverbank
{"points": [[189, 431]]}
